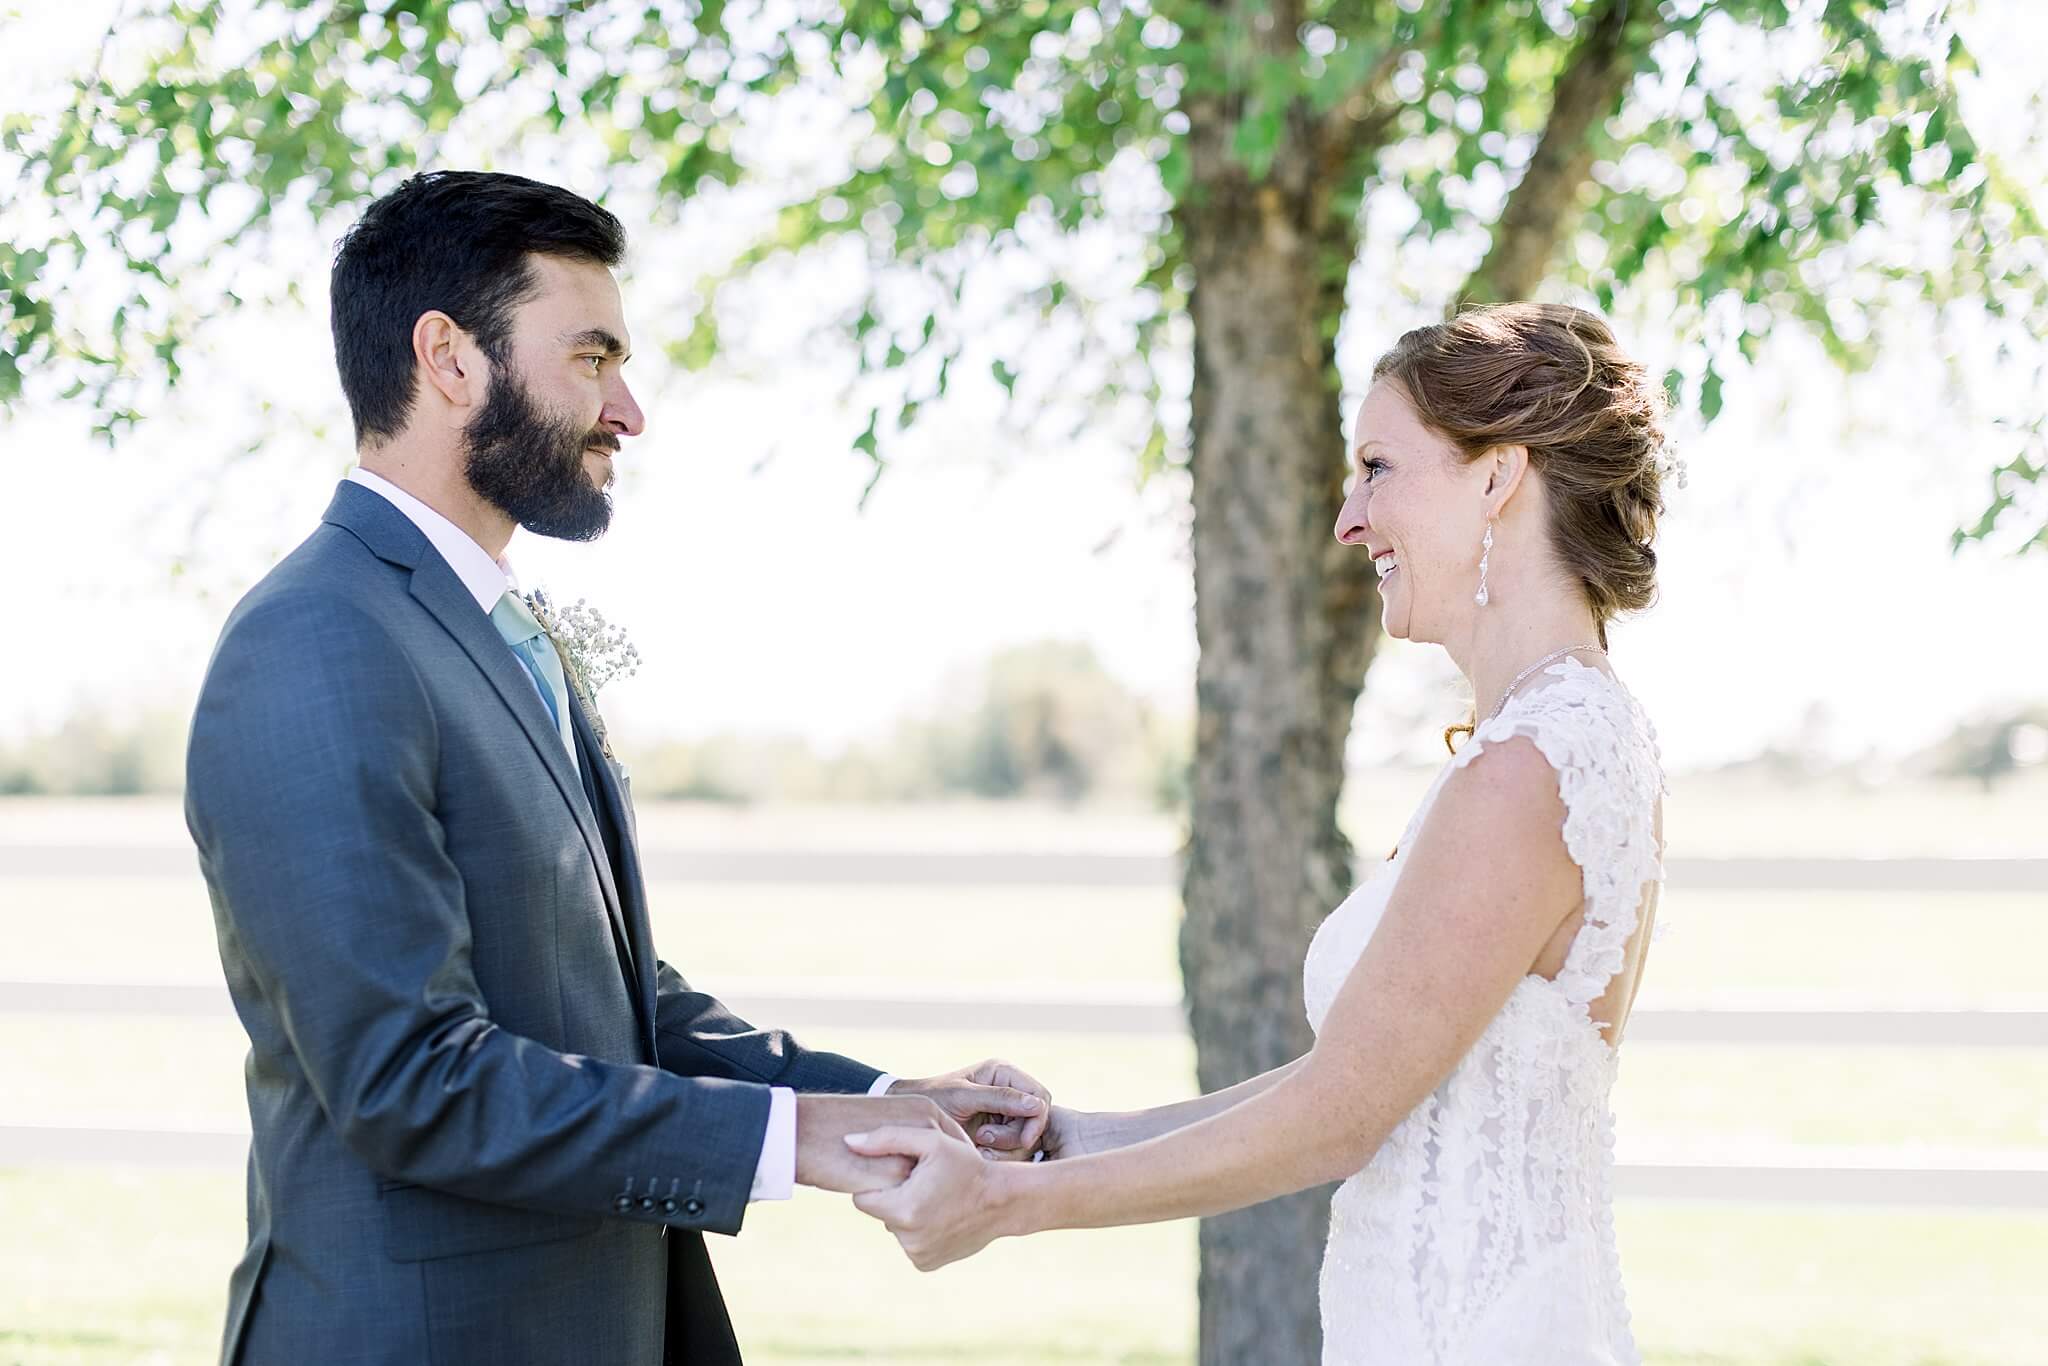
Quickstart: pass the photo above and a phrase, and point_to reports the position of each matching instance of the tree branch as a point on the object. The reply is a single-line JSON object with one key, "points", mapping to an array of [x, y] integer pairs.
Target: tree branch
{"points": [[1357, 125], [1540, 207]]}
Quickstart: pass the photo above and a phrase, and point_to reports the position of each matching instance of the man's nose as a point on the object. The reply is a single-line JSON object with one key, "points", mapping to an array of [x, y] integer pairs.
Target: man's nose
{"points": [[622, 413]]}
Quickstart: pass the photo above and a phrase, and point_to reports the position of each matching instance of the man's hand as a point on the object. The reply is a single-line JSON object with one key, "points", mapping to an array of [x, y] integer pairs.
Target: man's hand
{"points": [[823, 1122], [1001, 1107]]}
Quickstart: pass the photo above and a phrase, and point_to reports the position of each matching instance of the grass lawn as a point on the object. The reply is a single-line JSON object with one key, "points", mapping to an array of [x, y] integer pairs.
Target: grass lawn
{"points": [[113, 1267]]}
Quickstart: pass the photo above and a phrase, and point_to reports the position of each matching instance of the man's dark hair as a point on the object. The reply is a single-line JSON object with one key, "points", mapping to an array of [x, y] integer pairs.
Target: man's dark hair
{"points": [[457, 241]]}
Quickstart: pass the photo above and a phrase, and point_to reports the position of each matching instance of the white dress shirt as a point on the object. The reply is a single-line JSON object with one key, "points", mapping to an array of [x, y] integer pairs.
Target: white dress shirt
{"points": [[488, 580]]}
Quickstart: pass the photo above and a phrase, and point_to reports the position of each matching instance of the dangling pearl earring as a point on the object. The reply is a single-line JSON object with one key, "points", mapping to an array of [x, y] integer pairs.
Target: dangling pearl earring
{"points": [[1485, 551]]}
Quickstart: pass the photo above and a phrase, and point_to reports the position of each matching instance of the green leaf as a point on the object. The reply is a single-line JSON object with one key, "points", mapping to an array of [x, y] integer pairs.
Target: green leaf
{"points": [[867, 442]]}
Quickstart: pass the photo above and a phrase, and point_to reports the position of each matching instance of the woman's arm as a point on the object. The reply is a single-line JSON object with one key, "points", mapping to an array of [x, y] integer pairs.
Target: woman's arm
{"points": [[1486, 883], [1077, 1133]]}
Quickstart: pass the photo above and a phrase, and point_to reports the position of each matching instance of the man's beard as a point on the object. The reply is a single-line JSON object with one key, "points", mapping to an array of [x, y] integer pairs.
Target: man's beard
{"points": [[528, 463]]}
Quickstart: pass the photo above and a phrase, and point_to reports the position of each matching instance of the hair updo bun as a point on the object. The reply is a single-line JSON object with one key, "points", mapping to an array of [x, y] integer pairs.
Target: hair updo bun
{"points": [[1552, 378]]}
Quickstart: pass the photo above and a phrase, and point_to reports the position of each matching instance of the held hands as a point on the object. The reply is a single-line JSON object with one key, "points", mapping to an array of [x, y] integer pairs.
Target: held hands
{"points": [[1005, 1109], [823, 1121], [955, 1202]]}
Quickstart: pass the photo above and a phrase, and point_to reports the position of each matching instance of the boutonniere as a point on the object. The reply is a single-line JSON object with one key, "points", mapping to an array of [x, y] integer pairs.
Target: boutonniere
{"points": [[592, 650]]}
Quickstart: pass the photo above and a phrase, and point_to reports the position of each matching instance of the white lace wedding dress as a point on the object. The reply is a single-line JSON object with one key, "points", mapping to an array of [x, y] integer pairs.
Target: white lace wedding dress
{"points": [[1482, 1232]]}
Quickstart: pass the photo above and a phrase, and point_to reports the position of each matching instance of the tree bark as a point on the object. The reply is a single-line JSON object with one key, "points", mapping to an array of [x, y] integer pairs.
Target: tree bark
{"points": [[1285, 624]]}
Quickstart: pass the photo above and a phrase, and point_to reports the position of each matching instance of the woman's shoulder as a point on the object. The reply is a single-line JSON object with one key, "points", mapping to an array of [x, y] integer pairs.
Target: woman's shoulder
{"points": [[1581, 716]]}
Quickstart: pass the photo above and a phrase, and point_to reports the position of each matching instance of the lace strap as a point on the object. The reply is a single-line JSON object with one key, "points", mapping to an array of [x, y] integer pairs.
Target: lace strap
{"points": [[1608, 776]]}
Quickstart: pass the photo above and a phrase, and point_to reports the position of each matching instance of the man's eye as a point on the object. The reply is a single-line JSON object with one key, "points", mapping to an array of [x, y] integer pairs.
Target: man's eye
{"points": [[596, 363]]}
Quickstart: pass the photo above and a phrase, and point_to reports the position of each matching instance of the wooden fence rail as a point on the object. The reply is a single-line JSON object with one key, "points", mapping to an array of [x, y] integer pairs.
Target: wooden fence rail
{"points": [[1782, 1175], [852, 1004], [1057, 868]]}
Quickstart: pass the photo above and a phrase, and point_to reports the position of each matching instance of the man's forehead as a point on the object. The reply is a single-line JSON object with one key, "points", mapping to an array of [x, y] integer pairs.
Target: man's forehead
{"points": [[572, 298], [570, 273]]}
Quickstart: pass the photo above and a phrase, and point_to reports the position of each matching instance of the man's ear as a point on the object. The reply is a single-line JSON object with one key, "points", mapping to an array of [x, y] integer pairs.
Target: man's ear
{"points": [[448, 359], [1506, 467]]}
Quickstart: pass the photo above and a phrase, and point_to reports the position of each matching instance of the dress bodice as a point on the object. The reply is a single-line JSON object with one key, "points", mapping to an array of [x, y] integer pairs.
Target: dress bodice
{"points": [[1482, 1230]]}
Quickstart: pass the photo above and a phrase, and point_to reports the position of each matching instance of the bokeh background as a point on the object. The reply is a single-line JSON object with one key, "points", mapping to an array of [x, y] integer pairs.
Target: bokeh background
{"points": [[907, 552]]}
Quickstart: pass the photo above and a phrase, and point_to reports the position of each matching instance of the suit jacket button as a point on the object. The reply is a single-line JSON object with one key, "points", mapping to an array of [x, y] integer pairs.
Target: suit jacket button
{"points": [[693, 1206], [624, 1204], [647, 1204], [669, 1206]]}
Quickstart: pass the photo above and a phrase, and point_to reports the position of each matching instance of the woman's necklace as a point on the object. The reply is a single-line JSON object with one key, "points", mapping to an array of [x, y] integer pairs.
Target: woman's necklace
{"points": [[1550, 658]]}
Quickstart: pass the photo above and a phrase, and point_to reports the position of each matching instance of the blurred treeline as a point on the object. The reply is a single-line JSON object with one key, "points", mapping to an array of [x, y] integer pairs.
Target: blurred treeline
{"points": [[1044, 721], [98, 754]]}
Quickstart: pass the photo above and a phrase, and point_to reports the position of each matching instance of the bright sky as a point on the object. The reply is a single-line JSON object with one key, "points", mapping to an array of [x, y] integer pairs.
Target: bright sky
{"points": [[1808, 584]]}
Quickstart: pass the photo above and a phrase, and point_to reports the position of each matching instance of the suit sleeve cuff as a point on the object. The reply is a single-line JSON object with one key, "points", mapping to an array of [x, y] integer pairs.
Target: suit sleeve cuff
{"points": [[775, 1173], [883, 1083]]}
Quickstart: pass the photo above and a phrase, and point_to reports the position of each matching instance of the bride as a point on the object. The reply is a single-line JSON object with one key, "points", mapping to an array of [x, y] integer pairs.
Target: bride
{"points": [[1469, 998]]}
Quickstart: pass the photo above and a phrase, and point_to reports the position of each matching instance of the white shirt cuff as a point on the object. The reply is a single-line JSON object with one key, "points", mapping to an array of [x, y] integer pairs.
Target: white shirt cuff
{"points": [[883, 1083], [775, 1173]]}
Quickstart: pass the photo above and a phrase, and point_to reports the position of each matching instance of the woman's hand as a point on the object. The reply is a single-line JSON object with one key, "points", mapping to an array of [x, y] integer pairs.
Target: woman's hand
{"points": [[1073, 1133], [955, 1202]]}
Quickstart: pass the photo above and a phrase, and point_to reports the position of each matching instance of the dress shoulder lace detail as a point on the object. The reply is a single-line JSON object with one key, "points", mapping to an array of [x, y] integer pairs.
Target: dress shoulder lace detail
{"points": [[1609, 776]]}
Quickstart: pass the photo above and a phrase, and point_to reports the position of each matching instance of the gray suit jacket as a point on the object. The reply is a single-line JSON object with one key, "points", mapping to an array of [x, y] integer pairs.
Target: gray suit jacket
{"points": [[489, 1125]]}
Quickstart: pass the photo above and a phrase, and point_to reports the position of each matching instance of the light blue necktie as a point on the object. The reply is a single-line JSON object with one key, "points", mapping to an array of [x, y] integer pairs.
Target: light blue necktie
{"points": [[523, 633]]}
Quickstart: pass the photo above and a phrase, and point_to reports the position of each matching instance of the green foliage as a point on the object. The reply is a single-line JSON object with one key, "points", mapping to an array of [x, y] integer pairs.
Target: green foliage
{"points": [[1752, 191], [2016, 486], [1803, 206]]}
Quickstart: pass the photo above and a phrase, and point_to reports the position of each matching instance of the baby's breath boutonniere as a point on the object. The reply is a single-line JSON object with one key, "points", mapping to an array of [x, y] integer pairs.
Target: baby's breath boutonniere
{"points": [[592, 650]]}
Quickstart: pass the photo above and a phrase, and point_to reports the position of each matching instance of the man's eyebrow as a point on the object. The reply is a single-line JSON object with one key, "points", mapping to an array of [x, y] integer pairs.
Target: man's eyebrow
{"points": [[597, 337]]}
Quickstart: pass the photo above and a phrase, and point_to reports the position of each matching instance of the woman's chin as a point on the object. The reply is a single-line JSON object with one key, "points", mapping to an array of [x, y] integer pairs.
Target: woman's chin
{"points": [[1394, 613]]}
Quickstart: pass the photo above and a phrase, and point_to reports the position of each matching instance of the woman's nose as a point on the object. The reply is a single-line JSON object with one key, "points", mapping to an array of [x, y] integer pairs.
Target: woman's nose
{"points": [[1351, 527]]}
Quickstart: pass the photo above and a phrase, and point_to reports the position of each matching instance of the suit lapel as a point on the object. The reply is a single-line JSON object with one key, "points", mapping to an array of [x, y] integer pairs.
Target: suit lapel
{"points": [[392, 537], [616, 814]]}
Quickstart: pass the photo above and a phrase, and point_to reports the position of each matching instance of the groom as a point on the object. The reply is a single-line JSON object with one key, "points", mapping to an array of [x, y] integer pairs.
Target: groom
{"points": [[489, 1124]]}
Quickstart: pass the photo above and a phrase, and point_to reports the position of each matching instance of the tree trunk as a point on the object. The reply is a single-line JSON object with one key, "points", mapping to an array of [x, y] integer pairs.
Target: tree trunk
{"points": [[1285, 624]]}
